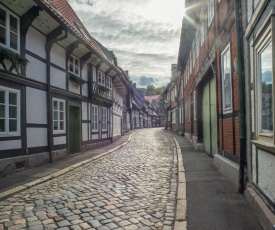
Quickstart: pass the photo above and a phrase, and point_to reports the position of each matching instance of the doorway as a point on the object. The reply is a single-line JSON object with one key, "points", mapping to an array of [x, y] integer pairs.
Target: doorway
{"points": [[74, 128]]}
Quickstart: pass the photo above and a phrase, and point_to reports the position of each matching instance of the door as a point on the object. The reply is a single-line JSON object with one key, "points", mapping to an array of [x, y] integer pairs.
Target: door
{"points": [[209, 117], [74, 129]]}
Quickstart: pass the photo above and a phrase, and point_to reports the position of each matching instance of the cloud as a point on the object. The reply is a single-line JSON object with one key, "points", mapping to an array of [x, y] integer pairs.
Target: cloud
{"points": [[144, 81]]}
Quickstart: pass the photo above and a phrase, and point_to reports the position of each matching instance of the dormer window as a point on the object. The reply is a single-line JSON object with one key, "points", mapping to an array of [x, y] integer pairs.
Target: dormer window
{"points": [[9, 29], [74, 65]]}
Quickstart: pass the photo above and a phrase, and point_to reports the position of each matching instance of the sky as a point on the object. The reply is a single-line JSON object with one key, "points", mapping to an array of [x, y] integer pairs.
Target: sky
{"points": [[144, 34]]}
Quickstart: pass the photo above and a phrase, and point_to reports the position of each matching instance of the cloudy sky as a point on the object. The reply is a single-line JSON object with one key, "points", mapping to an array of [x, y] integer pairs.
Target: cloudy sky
{"points": [[144, 34]]}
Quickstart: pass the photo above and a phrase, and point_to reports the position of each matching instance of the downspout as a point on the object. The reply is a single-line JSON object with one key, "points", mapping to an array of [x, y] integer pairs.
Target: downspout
{"points": [[49, 96], [241, 93]]}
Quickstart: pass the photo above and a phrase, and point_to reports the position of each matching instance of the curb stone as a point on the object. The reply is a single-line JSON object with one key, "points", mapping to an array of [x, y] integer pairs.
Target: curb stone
{"points": [[181, 208], [59, 173]]}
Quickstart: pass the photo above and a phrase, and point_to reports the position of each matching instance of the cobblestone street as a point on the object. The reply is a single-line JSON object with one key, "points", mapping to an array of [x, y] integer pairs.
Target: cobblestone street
{"points": [[132, 188]]}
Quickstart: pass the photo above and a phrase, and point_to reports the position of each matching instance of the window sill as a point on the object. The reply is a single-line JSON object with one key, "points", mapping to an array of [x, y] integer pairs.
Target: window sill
{"points": [[264, 145]]}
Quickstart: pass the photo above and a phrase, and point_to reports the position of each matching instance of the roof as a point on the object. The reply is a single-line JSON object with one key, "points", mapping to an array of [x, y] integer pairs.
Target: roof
{"points": [[151, 98], [63, 8]]}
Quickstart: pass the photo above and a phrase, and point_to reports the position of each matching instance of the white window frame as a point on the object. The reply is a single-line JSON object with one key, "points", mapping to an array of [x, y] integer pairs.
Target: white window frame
{"points": [[223, 54], [75, 67], [8, 30], [59, 101], [211, 11], [94, 118], [104, 115], [7, 118], [266, 38], [101, 78]]}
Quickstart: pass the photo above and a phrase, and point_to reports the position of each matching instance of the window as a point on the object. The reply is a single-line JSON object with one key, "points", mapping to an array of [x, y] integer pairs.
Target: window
{"points": [[74, 65], [109, 82], [94, 118], [226, 79], [194, 105], [210, 11], [9, 112], [9, 29], [173, 116], [264, 79], [58, 116], [101, 78], [104, 118]]}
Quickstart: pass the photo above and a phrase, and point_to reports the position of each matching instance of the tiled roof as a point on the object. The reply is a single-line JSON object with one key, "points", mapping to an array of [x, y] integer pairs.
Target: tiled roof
{"points": [[64, 11], [151, 98]]}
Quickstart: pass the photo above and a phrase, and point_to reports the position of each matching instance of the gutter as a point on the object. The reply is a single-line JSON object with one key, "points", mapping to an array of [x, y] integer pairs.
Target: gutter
{"points": [[241, 93]]}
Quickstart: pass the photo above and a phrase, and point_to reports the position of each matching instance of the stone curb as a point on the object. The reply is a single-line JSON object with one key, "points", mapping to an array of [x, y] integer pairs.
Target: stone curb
{"points": [[61, 172], [180, 219]]}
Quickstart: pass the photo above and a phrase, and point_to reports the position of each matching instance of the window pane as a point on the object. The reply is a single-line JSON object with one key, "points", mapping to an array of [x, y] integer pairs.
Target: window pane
{"points": [[2, 18], [71, 68], [266, 80], [55, 107], [61, 125], [61, 116], [55, 125], [2, 125], [55, 115], [12, 99], [2, 111], [13, 112], [2, 97], [13, 41], [71, 60], [12, 125], [2, 35], [76, 62], [13, 24], [76, 70], [61, 106]]}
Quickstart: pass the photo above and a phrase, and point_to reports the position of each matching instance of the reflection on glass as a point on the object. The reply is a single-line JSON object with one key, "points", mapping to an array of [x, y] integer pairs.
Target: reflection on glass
{"points": [[265, 61], [13, 125]]}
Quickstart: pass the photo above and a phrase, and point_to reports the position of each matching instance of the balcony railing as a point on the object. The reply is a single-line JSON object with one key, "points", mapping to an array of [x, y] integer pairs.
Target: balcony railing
{"points": [[101, 90]]}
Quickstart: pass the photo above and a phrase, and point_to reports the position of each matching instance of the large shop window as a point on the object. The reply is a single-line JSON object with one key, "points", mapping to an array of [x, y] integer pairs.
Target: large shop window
{"points": [[94, 117], [226, 80], [264, 83], [9, 112], [9, 29], [59, 116], [74, 65], [104, 118]]}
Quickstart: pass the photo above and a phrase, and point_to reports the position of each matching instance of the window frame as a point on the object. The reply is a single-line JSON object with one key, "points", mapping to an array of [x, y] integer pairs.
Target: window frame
{"points": [[58, 119], [224, 52], [74, 65], [8, 30], [7, 117], [102, 77], [266, 37], [104, 121], [93, 120]]}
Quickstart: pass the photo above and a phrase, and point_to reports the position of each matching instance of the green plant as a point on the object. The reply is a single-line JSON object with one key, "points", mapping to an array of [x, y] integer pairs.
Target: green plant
{"points": [[76, 79], [103, 89], [16, 59]]}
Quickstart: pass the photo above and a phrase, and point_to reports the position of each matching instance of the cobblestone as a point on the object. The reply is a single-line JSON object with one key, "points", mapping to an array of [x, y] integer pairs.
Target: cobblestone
{"points": [[131, 188]]}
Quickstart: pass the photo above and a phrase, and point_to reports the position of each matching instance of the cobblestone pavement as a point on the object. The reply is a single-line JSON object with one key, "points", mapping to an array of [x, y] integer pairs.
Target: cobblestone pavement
{"points": [[132, 188]]}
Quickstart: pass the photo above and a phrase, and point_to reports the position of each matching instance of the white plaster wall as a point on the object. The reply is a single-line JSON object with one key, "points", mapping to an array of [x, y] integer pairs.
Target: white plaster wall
{"points": [[35, 42], [116, 125], [58, 78], [84, 131], [36, 106], [266, 172], [74, 87], [94, 136], [58, 56], [85, 90], [85, 72], [94, 73], [37, 137], [104, 135], [254, 175], [84, 111], [15, 144], [59, 140], [36, 69]]}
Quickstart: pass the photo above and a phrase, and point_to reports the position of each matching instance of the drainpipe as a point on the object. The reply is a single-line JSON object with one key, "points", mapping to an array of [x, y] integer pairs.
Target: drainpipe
{"points": [[241, 92]]}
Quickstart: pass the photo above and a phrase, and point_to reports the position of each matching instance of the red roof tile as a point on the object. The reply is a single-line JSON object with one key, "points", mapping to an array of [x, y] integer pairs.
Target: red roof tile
{"points": [[151, 98]]}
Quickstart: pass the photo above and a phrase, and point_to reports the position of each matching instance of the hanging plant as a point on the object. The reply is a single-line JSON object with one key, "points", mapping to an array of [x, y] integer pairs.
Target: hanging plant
{"points": [[76, 79], [16, 59], [103, 89]]}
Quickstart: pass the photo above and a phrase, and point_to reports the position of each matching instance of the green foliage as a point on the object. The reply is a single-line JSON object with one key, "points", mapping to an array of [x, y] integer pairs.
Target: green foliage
{"points": [[151, 90], [76, 79], [16, 59], [103, 89]]}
